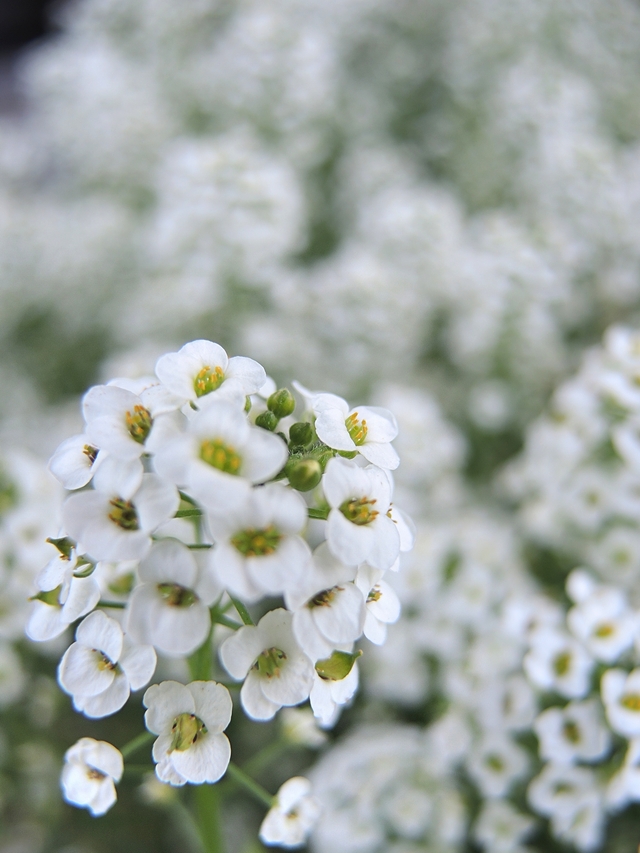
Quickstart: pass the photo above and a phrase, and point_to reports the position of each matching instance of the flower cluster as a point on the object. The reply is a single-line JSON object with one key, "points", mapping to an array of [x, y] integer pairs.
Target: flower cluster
{"points": [[194, 492]]}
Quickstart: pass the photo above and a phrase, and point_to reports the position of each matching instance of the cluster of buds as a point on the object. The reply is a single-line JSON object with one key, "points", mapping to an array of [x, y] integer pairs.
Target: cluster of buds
{"points": [[196, 493]]}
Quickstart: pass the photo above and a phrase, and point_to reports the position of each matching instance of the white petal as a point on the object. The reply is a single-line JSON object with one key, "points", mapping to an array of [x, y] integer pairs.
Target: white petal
{"points": [[205, 761], [213, 704], [45, 622], [101, 632], [116, 477], [169, 561], [139, 664], [83, 596], [274, 573], [156, 501], [166, 772], [312, 642], [382, 455], [293, 683], [347, 541], [254, 702], [239, 651], [165, 702], [374, 630], [104, 798], [342, 620], [332, 429], [80, 674], [386, 543], [230, 568], [264, 455], [247, 372], [108, 702]]}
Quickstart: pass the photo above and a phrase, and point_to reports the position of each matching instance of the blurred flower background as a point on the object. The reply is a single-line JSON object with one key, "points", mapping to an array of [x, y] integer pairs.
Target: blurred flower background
{"points": [[428, 205]]}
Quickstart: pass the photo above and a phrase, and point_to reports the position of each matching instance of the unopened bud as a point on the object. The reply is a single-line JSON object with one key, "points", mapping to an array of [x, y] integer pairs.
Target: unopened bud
{"points": [[338, 666], [304, 474], [267, 420], [301, 434], [281, 403]]}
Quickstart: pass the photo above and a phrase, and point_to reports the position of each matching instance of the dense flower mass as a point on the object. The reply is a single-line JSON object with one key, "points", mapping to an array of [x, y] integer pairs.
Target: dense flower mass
{"points": [[204, 505]]}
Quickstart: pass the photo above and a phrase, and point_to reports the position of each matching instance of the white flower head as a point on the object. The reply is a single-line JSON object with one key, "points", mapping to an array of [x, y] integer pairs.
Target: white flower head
{"points": [[99, 670], [570, 797], [328, 695], [382, 603], [367, 429], [202, 369], [495, 763], [359, 527], [190, 721], [115, 521], [91, 767], [557, 662], [118, 421], [170, 608], [331, 619], [75, 461], [220, 456], [604, 623], [258, 550], [621, 698], [573, 733], [275, 670], [290, 820]]}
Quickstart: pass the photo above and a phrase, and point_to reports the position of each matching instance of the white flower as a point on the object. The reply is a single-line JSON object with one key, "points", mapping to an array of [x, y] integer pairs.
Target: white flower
{"points": [[257, 550], [382, 603], [367, 429], [604, 623], [358, 526], [115, 521], [500, 828], [331, 619], [120, 422], [573, 733], [293, 815], [201, 367], [170, 608], [570, 797], [328, 695], [621, 698], [557, 662], [189, 720], [90, 769], [54, 610], [624, 786], [495, 763], [275, 669], [99, 671], [220, 455], [75, 461]]}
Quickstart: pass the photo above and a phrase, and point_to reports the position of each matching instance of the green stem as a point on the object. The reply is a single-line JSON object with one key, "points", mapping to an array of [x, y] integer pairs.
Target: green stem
{"points": [[188, 513], [219, 619], [264, 758], [138, 768], [201, 661], [187, 498], [242, 611], [322, 514], [199, 547], [135, 744], [116, 605], [250, 785], [208, 812]]}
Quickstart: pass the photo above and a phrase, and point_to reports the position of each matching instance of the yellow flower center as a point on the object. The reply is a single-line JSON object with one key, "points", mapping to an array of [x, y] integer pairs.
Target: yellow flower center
{"points": [[186, 730], [631, 701], [604, 630], [375, 594], [562, 663], [220, 455], [359, 510], [124, 514], [139, 423], [209, 379], [323, 599], [257, 543], [269, 662], [90, 452], [571, 732], [176, 595], [357, 429]]}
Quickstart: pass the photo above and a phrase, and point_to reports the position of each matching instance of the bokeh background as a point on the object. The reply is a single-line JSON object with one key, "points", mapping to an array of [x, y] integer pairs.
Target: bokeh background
{"points": [[432, 205]]}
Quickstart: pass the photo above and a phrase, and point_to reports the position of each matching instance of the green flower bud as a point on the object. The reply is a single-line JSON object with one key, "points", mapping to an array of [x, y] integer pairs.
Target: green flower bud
{"points": [[267, 420], [304, 474], [281, 403], [338, 666], [302, 434]]}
